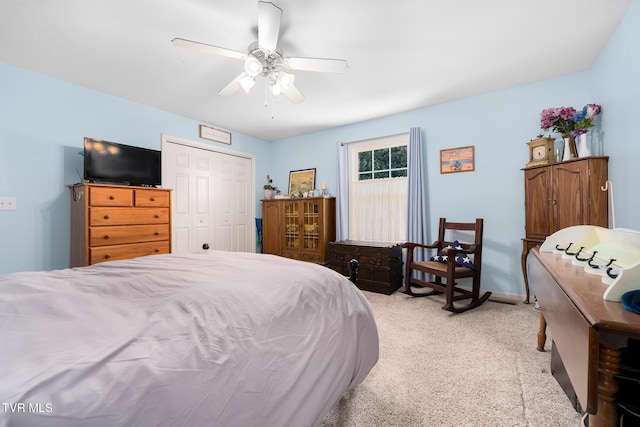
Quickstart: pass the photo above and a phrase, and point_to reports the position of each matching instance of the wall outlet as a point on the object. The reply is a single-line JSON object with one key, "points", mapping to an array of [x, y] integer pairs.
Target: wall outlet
{"points": [[7, 203]]}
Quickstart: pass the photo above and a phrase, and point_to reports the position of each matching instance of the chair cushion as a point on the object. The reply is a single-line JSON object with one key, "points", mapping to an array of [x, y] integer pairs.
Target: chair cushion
{"points": [[462, 260], [429, 266]]}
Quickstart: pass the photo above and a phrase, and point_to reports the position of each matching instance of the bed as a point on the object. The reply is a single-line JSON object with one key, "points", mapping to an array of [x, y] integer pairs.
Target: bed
{"points": [[206, 339]]}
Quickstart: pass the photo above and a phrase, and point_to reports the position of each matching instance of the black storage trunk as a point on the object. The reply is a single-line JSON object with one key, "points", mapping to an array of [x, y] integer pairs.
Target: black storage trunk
{"points": [[380, 263]]}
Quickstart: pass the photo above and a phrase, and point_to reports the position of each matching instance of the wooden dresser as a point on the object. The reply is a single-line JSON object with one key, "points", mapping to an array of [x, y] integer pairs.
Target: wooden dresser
{"points": [[299, 228], [560, 195], [379, 263], [111, 222], [589, 332]]}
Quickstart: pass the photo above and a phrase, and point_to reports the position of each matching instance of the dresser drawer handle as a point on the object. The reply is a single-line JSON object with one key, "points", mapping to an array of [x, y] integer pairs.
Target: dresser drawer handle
{"points": [[107, 237], [153, 199], [107, 216], [157, 215], [157, 233], [112, 197], [157, 250], [107, 256]]}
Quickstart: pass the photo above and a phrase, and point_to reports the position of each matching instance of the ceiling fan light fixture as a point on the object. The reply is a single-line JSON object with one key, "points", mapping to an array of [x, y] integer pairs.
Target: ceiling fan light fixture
{"points": [[281, 82], [285, 79], [252, 66], [246, 82], [275, 88]]}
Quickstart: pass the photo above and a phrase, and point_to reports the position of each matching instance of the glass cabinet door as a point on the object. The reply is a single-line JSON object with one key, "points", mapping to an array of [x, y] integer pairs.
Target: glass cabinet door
{"points": [[311, 224], [291, 226]]}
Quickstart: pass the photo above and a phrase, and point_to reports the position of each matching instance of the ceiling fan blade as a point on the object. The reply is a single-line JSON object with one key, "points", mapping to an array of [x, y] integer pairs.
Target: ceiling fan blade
{"points": [[294, 94], [269, 17], [232, 87], [215, 50], [317, 64]]}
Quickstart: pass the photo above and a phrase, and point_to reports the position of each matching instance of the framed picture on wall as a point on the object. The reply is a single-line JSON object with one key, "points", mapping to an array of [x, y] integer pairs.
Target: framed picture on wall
{"points": [[213, 134], [302, 181], [459, 159]]}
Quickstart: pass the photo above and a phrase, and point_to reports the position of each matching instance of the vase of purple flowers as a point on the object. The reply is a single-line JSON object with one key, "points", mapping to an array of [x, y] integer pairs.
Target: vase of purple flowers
{"points": [[572, 125]]}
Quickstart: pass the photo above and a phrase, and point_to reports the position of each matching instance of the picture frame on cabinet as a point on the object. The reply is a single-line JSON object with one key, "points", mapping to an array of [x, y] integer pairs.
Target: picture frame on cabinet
{"points": [[302, 181], [460, 159]]}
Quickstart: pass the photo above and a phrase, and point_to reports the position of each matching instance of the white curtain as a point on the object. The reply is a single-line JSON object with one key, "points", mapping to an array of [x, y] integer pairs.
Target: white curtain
{"points": [[379, 210]]}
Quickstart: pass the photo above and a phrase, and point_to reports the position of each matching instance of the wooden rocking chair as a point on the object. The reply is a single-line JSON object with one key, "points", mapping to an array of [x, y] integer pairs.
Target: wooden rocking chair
{"points": [[464, 261]]}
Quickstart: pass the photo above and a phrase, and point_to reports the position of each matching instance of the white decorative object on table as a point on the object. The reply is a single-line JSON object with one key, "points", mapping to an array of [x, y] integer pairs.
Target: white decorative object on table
{"points": [[566, 153], [582, 146]]}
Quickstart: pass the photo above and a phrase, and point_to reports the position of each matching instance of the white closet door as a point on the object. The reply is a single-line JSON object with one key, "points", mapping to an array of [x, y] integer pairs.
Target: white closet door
{"points": [[213, 199], [234, 220]]}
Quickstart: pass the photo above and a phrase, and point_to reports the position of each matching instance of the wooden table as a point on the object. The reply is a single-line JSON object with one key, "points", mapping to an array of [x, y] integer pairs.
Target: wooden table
{"points": [[589, 332]]}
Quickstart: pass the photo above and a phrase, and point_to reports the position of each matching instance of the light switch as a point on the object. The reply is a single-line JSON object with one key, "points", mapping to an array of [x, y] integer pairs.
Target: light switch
{"points": [[7, 203]]}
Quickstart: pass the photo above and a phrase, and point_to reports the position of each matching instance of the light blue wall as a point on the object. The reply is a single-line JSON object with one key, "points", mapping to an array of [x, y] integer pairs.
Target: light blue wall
{"points": [[616, 84], [43, 122], [499, 124]]}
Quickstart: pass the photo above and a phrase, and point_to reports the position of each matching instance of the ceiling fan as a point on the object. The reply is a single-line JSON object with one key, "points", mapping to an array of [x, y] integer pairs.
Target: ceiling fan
{"points": [[265, 58]]}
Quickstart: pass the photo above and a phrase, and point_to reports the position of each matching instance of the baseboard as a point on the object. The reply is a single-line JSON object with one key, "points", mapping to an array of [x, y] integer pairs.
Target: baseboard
{"points": [[502, 297], [506, 297]]}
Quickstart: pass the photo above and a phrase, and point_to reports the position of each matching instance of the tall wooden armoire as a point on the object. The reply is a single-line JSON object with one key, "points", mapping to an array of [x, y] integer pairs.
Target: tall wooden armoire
{"points": [[561, 195]]}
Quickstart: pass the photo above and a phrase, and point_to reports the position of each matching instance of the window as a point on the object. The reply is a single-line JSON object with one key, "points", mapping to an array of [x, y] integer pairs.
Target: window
{"points": [[389, 162], [378, 189]]}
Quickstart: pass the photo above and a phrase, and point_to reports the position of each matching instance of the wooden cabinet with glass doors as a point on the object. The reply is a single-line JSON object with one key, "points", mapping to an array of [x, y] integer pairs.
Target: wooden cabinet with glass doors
{"points": [[299, 228]]}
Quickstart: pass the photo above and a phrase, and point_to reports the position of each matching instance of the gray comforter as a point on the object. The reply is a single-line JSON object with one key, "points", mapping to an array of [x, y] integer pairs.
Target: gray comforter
{"points": [[207, 339]]}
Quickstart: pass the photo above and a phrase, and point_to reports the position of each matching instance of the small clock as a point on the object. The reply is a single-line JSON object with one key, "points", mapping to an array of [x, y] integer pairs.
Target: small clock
{"points": [[541, 152]]}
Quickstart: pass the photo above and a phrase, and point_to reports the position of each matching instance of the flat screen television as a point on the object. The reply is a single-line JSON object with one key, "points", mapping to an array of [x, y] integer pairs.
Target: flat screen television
{"points": [[110, 162]]}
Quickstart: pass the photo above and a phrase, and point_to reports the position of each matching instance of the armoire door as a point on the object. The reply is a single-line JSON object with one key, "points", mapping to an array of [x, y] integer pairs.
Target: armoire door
{"points": [[570, 204], [538, 202], [271, 228]]}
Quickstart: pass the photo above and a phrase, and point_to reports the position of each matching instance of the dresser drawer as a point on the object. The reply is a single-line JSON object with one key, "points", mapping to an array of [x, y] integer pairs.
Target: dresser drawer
{"points": [[127, 216], [291, 254], [150, 198], [311, 257], [110, 196], [111, 253], [119, 234]]}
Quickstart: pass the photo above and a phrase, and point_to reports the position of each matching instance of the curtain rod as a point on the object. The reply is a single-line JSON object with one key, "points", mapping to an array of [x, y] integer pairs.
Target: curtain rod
{"points": [[371, 139]]}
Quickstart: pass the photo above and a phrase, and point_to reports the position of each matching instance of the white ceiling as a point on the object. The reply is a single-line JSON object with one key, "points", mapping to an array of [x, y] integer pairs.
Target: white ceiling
{"points": [[402, 54]]}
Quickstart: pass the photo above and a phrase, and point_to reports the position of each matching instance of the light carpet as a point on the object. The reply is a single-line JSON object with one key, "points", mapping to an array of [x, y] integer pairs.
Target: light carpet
{"points": [[478, 368]]}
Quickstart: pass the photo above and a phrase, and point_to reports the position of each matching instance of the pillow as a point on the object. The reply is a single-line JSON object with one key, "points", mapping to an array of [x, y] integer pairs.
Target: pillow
{"points": [[462, 260]]}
